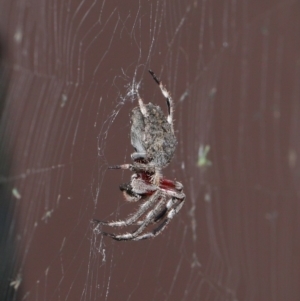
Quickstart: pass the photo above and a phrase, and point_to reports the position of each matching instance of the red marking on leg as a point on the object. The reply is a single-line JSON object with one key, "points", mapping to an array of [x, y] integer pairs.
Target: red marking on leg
{"points": [[167, 184]]}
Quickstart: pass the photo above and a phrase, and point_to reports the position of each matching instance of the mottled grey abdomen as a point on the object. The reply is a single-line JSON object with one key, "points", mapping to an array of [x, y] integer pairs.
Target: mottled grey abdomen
{"points": [[152, 136]]}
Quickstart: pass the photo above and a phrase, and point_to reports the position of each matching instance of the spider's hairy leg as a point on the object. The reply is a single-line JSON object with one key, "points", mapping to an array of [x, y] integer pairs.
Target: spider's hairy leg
{"points": [[123, 166], [169, 185], [143, 107], [162, 225], [166, 94], [158, 218], [155, 179], [138, 156], [129, 194], [177, 195], [165, 211], [150, 217], [130, 220], [135, 167]]}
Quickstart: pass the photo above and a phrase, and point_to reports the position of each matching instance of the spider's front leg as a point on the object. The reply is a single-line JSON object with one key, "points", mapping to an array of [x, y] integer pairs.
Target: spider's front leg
{"points": [[155, 172], [131, 219], [139, 188], [149, 218], [135, 167], [161, 227], [169, 204], [123, 166]]}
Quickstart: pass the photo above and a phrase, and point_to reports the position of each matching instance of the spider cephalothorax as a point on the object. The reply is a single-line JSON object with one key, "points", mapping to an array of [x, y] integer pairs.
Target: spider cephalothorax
{"points": [[152, 136]]}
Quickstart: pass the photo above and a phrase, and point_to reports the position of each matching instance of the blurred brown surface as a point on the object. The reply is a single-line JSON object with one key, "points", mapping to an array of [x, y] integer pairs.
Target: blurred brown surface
{"points": [[233, 69]]}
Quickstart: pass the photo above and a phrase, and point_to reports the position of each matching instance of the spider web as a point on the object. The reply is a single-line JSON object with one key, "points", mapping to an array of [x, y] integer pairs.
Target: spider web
{"points": [[69, 70]]}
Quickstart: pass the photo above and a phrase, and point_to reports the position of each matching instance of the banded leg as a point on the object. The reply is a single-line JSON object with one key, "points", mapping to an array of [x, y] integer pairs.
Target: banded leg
{"points": [[148, 219], [143, 107], [168, 98], [136, 167], [132, 218], [155, 232], [172, 208]]}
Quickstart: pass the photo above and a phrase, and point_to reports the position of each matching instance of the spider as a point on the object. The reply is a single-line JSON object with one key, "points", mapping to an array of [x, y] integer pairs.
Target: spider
{"points": [[154, 142]]}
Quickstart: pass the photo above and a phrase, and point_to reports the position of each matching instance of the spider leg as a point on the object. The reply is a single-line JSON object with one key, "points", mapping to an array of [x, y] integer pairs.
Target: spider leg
{"points": [[143, 107], [159, 217], [149, 218], [135, 167], [168, 97], [174, 194], [134, 217], [155, 232], [137, 155], [123, 166], [129, 194], [155, 179], [165, 205]]}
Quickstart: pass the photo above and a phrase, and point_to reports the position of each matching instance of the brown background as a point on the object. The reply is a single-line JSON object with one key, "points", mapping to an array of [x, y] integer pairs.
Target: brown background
{"points": [[233, 68]]}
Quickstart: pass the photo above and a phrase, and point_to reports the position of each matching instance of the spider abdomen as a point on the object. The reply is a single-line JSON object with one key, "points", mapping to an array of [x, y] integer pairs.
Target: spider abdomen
{"points": [[152, 136]]}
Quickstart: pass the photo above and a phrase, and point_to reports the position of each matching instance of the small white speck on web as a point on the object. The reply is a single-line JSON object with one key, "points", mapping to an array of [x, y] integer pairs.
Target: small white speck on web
{"points": [[47, 216], [62, 244], [207, 198], [18, 36], [292, 158], [103, 255], [212, 92], [183, 96], [64, 99], [16, 193], [58, 199], [16, 283]]}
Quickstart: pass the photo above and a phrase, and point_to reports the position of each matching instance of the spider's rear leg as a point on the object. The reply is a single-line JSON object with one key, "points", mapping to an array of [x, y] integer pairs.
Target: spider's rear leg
{"points": [[142, 106], [168, 98], [138, 156]]}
